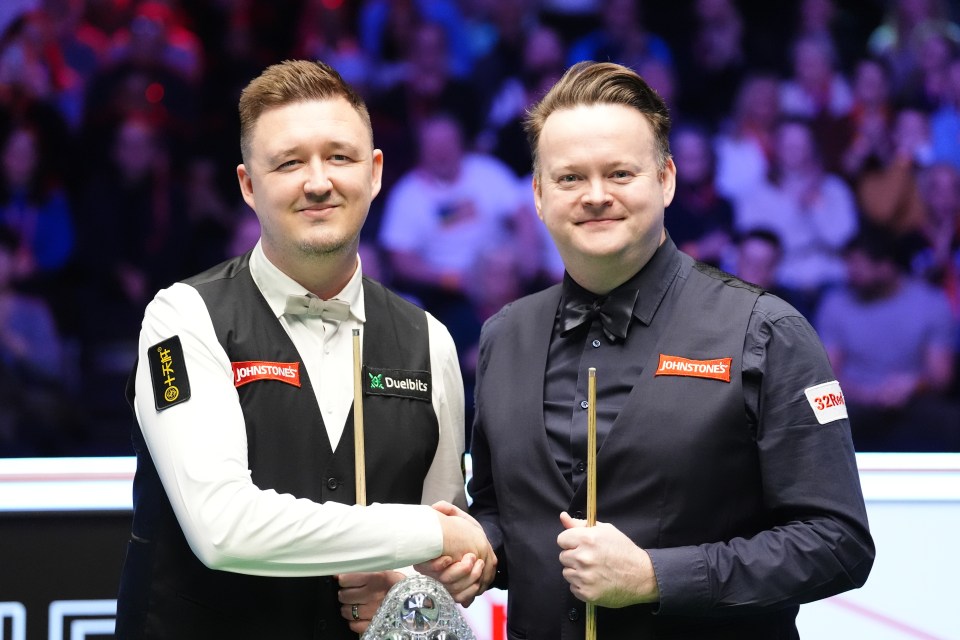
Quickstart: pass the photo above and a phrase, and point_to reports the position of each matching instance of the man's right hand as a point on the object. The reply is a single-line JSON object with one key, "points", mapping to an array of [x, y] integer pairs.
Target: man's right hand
{"points": [[468, 564]]}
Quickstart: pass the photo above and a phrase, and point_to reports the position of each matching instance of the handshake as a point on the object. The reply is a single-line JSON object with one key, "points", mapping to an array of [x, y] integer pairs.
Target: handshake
{"points": [[467, 564]]}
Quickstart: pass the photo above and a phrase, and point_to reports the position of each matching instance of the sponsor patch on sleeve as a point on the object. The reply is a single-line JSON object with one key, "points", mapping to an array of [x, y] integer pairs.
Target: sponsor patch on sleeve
{"points": [[250, 371], [827, 401], [168, 370], [397, 382], [715, 369]]}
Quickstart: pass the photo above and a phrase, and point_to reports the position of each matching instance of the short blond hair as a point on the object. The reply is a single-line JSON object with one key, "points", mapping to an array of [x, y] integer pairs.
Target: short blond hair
{"points": [[289, 82], [590, 83]]}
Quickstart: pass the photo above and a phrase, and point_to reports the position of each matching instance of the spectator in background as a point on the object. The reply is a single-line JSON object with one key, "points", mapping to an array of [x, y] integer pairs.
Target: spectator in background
{"points": [[756, 258], [32, 417], [818, 92], [699, 219], [810, 210], [428, 88], [746, 140], [133, 212], [714, 64], [890, 338], [945, 121], [155, 69], [503, 134], [867, 133], [34, 205], [886, 185], [621, 37], [385, 27], [443, 216], [938, 259], [899, 39]]}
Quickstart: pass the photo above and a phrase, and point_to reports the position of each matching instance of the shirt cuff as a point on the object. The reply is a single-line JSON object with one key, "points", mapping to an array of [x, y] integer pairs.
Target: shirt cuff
{"points": [[682, 579]]}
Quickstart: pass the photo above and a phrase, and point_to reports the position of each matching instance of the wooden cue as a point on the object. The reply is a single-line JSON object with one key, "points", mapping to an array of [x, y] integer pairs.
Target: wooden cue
{"points": [[360, 460], [591, 480]]}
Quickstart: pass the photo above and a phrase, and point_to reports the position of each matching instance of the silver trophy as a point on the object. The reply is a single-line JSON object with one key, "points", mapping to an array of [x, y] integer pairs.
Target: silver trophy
{"points": [[418, 608]]}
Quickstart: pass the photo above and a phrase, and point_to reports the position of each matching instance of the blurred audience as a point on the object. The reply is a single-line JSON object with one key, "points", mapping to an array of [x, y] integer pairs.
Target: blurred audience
{"points": [[890, 338], [811, 211], [33, 420], [118, 122], [699, 220]]}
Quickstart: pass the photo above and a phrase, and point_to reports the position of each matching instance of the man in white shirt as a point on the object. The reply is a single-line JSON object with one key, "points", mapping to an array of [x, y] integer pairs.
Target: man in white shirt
{"points": [[244, 518]]}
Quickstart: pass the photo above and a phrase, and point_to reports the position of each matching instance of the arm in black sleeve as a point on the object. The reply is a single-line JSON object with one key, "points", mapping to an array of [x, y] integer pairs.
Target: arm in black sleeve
{"points": [[818, 543]]}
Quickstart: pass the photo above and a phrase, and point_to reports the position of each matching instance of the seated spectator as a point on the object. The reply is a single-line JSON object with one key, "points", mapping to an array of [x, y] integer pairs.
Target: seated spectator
{"points": [[818, 92], [938, 259], [945, 121], [621, 37], [442, 216], [427, 88], [757, 258], [503, 133], [714, 62], [699, 219], [899, 39], [867, 136], [745, 142], [890, 338], [886, 183], [810, 210], [32, 418], [34, 205]]}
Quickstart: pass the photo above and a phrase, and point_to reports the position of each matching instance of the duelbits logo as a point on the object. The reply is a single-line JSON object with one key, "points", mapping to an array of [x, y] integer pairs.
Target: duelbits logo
{"points": [[376, 381]]}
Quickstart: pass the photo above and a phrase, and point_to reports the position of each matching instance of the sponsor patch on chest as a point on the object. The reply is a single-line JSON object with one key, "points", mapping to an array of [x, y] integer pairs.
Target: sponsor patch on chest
{"points": [[253, 370], [714, 369], [827, 401], [168, 371], [401, 383]]}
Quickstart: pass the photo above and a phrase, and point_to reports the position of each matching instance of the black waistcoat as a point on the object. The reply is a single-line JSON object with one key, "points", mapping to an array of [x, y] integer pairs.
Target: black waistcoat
{"points": [[166, 592]]}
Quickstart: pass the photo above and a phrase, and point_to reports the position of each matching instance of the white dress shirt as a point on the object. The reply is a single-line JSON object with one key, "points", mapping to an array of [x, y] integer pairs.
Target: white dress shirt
{"points": [[199, 447]]}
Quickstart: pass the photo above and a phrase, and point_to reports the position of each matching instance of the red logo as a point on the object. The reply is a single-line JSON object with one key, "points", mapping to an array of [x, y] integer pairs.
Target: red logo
{"points": [[717, 369], [244, 372]]}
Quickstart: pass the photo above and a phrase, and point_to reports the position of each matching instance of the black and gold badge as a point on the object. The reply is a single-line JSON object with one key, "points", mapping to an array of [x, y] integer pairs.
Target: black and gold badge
{"points": [[168, 370]]}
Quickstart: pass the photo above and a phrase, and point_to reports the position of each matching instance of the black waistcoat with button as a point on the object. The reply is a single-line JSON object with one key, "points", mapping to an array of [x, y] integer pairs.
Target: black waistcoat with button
{"points": [[166, 592]]}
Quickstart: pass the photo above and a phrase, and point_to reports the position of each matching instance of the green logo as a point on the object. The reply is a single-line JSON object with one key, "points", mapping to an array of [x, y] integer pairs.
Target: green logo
{"points": [[376, 381]]}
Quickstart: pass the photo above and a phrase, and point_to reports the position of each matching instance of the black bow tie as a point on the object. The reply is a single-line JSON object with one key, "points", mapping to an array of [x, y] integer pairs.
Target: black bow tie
{"points": [[614, 310]]}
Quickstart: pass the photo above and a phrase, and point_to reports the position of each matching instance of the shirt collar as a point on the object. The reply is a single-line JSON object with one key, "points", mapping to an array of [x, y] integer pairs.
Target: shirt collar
{"points": [[275, 285], [651, 282]]}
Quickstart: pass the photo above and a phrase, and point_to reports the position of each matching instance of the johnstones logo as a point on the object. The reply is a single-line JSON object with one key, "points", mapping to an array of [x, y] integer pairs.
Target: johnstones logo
{"points": [[716, 369], [245, 372]]}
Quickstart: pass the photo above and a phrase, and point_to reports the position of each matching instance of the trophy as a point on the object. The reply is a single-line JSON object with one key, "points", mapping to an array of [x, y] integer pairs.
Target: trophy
{"points": [[418, 608]]}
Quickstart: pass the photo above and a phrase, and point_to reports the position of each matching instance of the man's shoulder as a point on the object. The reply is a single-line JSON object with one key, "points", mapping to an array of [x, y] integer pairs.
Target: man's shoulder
{"points": [[226, 270], [522, 309]]}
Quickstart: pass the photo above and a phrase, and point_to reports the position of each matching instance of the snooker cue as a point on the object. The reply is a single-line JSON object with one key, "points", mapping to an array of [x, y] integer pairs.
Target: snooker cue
{"points": [[360, 463], [591, 480]]}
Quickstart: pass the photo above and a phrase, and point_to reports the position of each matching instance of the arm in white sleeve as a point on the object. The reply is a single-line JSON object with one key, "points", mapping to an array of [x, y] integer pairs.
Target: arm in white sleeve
{"points": [[199, 448], [444, 480]]}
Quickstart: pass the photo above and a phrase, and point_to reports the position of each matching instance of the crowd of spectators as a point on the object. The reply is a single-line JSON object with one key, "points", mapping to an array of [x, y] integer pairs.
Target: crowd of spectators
{"points": [[817, 145]]}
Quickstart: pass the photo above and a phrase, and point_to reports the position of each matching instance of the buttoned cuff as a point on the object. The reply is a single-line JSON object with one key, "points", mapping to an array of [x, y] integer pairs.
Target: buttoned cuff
{"points": [[682, 579]]}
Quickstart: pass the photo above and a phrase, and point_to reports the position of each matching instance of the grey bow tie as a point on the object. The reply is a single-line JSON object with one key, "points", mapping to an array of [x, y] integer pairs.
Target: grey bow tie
{"points": [[312, 306]]}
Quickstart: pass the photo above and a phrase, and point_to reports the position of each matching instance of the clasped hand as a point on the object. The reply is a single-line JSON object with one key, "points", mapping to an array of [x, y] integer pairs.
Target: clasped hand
{"points": [[468, 564], [604, 566]]}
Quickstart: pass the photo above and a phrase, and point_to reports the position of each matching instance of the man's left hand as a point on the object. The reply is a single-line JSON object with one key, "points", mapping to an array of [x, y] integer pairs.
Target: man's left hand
{"points": [[366, 592], [605, 567]]}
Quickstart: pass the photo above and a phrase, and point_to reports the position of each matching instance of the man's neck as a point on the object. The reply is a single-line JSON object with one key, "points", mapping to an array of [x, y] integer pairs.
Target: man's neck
{"points": [[324, 276]]}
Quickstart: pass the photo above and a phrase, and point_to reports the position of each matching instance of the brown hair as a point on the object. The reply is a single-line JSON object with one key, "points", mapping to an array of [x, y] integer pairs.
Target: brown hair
{"points": [[590, 83], [289, 82]]}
